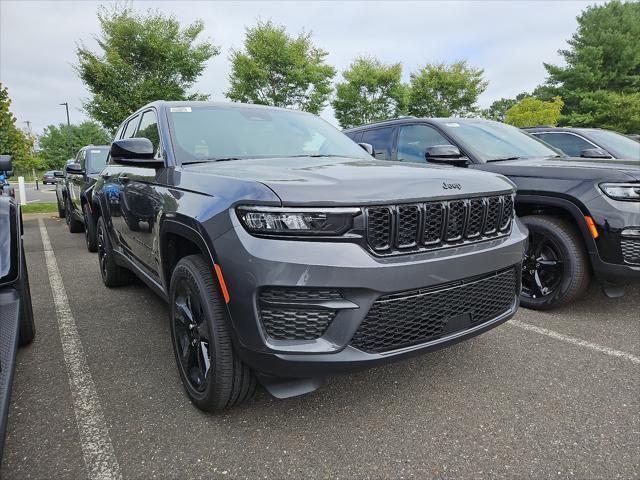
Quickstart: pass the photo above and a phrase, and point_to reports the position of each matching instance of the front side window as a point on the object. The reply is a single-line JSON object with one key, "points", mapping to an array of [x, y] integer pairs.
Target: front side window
{"points": [[203, 133], [413, 140], [149, 128], [380, 140], [570, 144]]}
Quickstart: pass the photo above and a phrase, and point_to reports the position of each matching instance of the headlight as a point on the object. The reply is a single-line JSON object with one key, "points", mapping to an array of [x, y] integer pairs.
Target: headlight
{"points": [[621, 191], [297, 221]]}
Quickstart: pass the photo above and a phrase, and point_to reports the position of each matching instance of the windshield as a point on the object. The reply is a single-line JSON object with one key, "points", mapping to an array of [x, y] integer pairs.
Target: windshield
{"points": [[624, 146], [209, 133], [491, 141], [96, 159]]}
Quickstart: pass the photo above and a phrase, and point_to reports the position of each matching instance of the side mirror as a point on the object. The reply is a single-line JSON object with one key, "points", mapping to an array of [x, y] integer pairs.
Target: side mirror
{"points": [[6, 166], [449, 154], [368, 148], [135, 152], [73, 169], [594, 153]]}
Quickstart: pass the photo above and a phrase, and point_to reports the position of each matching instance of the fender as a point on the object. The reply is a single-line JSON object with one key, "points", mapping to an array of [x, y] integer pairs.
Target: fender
{"points": [[574, 210]]}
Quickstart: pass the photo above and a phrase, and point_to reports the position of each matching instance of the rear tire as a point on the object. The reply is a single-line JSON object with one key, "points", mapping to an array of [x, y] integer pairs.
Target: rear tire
{"points": [[113, 275], [213, 375], [555, 269], [27, 325], [89, 229]]}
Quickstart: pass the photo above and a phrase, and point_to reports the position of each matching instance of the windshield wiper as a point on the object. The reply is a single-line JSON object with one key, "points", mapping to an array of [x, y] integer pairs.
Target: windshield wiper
{"points": [[318, 155], [213, 159], [503, 159]]}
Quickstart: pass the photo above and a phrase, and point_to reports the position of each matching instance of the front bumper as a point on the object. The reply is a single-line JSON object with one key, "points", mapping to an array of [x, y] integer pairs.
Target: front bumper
{"points": [[250, 264]]}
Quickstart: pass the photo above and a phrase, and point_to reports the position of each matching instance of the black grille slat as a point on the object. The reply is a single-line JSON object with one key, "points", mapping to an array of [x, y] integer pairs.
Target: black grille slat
{"points": [[409, 318], [408, 225], [288, 294], [295, 324], [476, 217], [379, 228], [631, 250], [456, 213], [414, 227], [433, 223]]}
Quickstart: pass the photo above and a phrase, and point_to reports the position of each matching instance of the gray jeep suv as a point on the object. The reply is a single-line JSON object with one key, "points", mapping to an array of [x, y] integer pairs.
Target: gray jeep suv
{"points": [[288, 254]]}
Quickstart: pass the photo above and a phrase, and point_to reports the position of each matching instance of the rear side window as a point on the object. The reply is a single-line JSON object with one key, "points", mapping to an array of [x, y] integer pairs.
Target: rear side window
{"points": [[570, 144], [380, 139], [149, 128], [413, 140], [131, 127]]}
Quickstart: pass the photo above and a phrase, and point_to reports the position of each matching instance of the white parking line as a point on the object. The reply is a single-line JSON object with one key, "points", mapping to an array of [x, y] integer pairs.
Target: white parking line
{"points": [[97, 450], [576, 341]]}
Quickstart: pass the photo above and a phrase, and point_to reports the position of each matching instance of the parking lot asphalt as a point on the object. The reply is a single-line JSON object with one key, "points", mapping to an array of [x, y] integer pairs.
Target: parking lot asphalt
{"points": [[551, 395]]}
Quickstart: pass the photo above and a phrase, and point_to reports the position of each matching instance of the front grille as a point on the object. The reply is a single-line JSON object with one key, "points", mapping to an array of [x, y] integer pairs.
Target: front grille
{"points": [[293, 313], [406, 228], [418, 316], [631, 250]]}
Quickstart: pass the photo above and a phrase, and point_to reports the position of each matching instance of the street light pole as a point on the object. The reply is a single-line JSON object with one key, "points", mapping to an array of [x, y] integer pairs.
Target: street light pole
{"points": [[66, 105]]}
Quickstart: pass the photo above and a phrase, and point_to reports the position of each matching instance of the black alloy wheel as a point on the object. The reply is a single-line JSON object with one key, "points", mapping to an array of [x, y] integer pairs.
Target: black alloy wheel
{"points": [[542, 267]]}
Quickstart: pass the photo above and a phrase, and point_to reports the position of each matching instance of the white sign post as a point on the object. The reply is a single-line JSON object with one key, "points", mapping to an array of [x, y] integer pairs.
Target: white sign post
{"points": [[23, 191]]}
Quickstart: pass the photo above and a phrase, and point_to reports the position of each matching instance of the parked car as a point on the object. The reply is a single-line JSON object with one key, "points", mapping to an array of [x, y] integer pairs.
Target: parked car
{"points": [[583, 215], [16, 314], [288, 254], [80, 176], [61, 188], [51, 177], [588, 142]]}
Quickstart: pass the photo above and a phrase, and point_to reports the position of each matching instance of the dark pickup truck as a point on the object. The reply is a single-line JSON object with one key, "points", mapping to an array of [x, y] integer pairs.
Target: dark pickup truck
{"points": [[16, 314], [80, 176], [288, 254], [583, 214]]}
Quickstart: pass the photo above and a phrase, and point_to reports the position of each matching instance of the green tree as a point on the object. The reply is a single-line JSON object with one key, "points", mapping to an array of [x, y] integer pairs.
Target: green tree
{"points": [[144, 57], [13, 141], [279, 70], [62, 142], [441, 90], [372, 91], [498, 109], [530, 112], [600, 83]]}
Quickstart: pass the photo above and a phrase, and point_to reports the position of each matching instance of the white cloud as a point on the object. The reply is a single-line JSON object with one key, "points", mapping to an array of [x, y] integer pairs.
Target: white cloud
{"points": [[510, 40]]}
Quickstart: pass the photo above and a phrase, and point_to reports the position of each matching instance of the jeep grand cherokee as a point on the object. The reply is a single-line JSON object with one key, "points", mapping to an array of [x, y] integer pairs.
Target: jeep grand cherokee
{"points": [[287, 253]]}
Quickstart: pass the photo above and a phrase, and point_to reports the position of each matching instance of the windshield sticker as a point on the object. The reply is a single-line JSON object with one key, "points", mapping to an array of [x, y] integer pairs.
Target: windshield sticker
{"points": [[180, 109], [454, 125]]}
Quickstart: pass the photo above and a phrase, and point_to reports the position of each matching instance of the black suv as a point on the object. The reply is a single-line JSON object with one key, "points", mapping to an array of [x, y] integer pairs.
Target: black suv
{"points": [[80, 176], [16, 313], [583, 215], [588, 142], [287, 253]]}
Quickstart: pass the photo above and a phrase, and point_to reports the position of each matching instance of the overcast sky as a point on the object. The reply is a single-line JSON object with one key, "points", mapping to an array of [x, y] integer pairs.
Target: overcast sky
{"points": [[510, 40]]}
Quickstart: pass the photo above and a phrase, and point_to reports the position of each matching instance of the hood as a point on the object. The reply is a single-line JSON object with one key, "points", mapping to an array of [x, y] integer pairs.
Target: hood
{"points": [[307, 181], [570, 168]]}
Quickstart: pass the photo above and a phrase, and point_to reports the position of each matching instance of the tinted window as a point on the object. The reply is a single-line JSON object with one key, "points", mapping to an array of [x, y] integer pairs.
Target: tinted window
{"points": [[96, 159], [623, 146], [355, 136], [207, 132], [380, 139], [413, 140], [81, 158], [570, 144], [149, 128], [131, 127]]}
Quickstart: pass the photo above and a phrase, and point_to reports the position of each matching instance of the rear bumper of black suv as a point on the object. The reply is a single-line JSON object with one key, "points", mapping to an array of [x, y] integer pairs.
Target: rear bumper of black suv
{"points": [[304, 309]]}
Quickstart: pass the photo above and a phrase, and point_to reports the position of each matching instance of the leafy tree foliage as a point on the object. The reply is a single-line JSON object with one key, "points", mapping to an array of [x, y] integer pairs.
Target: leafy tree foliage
{"points": [[530, 112], [62, 142], [144, 57], [600, 83], [13, 141], [441, 90], [498, 109], [372, 91], [279, 70]]}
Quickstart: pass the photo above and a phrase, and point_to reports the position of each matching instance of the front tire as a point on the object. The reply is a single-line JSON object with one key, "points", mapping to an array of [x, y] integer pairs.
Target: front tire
{"points": [[213, 375], [555, 268], [90, 229], [113, 275], [61, 212]]}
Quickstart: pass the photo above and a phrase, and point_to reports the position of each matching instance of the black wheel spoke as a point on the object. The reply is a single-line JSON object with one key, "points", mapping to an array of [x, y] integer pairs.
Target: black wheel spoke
{"points": [[550, 264]]}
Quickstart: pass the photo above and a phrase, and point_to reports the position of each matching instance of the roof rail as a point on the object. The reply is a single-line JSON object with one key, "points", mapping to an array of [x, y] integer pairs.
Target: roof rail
{"points": [[386, 120]]}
